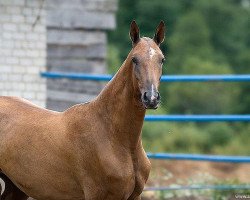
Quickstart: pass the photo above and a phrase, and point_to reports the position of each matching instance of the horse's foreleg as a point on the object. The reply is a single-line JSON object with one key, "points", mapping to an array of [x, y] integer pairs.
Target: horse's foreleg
{"points": [[137, 198], [11, 192]]}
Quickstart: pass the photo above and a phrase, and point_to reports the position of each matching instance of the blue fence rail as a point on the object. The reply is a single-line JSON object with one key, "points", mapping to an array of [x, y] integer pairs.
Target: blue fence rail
{"points": [[199, 157], [165, 78], [197, 118], [200, 187]]}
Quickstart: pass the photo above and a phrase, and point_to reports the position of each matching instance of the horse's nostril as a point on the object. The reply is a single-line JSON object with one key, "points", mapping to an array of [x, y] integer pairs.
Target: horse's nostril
{"points": [[158, 96]]}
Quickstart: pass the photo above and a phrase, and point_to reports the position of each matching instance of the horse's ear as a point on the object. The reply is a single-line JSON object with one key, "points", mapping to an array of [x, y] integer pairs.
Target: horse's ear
{"points": [[160, 33], [134, 32]]}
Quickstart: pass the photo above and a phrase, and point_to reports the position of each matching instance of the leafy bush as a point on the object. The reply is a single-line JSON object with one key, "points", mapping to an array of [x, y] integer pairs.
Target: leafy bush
{"points": [[213, 138]]}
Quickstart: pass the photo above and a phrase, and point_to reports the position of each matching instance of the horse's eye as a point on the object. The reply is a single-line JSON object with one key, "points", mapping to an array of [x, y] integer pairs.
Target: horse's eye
{"points": [[135, 60], [162, 60]]}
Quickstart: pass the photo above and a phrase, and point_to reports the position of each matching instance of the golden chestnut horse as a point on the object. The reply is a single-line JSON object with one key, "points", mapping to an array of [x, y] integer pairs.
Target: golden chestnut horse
{"points": [[91, 151]]}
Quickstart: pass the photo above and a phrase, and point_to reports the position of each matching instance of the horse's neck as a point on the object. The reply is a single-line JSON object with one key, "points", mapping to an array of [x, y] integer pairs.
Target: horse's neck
{"points": [[121, 109]]}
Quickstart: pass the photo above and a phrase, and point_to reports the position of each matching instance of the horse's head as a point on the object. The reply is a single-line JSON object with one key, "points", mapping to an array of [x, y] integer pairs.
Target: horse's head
{"points": [[147, 60]]}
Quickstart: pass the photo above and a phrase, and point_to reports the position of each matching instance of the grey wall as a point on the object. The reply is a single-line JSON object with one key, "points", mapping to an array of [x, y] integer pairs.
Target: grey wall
{"points": [[77, 42]]}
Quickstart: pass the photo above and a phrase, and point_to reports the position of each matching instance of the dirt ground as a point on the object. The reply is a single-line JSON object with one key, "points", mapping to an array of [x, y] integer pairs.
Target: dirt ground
{"points": [[166, 173], [170, 172]]}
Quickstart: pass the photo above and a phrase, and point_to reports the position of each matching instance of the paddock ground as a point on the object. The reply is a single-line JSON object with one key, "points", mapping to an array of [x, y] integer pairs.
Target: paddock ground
{"points": [[167, 173], [173, 172]]}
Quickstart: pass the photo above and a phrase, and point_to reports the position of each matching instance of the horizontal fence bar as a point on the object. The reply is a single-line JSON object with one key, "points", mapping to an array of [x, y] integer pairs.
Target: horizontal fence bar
{"points": [[164, 78], [76, 76], [200, 187], [199, 157], [197, 118], [206, 78]]}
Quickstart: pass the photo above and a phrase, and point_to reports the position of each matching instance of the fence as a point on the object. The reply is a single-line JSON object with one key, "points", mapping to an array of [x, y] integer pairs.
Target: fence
{"points": [[182, 118]]}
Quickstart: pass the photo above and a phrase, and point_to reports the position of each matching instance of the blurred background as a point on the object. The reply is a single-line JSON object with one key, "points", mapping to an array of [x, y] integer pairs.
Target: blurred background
{"points": [[91, 36]]}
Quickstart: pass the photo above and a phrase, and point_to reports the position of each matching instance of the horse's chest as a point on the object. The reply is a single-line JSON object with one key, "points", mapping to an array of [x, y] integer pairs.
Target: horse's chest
{"points": [[113, 173], [123, 178], [120, 176]]}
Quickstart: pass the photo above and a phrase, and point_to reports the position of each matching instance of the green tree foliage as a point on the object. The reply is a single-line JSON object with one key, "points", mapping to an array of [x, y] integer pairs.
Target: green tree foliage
{"points": [[212, 138], [206, 98], [203, 37], [192, 39]]}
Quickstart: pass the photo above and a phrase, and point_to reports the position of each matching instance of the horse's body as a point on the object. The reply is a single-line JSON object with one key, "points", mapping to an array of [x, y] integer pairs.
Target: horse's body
{"points": [[90, 151]]}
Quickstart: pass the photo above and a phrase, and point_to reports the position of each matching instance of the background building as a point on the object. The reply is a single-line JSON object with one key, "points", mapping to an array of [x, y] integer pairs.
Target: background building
{"points": [[64, 36], [77, 42]]}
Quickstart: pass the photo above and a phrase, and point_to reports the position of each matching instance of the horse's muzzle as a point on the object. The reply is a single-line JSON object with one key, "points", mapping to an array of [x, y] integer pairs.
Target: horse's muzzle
{"points": [[151, 100]]}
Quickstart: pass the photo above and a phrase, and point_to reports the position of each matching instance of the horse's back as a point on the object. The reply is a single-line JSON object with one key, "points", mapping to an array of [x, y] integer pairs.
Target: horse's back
{"points": [[16, 105], [15, 111]]}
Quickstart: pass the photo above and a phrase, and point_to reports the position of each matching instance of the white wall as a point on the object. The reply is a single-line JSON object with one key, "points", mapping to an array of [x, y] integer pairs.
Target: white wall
{"points": [[22, 50]]}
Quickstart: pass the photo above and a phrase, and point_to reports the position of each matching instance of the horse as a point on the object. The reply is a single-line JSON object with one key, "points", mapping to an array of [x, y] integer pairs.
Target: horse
{"points": [[91, 151]]}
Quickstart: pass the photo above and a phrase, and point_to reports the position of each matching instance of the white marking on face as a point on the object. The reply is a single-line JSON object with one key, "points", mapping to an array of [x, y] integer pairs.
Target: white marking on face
{"points": [[152, 52], [152, 91], [2, 183]]}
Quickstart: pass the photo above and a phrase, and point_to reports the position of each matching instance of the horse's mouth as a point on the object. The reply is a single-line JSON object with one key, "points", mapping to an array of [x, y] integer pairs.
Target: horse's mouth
{"points": [[153, 108], [150, 105]]}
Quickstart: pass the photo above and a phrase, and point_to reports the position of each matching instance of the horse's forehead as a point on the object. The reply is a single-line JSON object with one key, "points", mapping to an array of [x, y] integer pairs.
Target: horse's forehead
{"points": [[147, 47]]}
